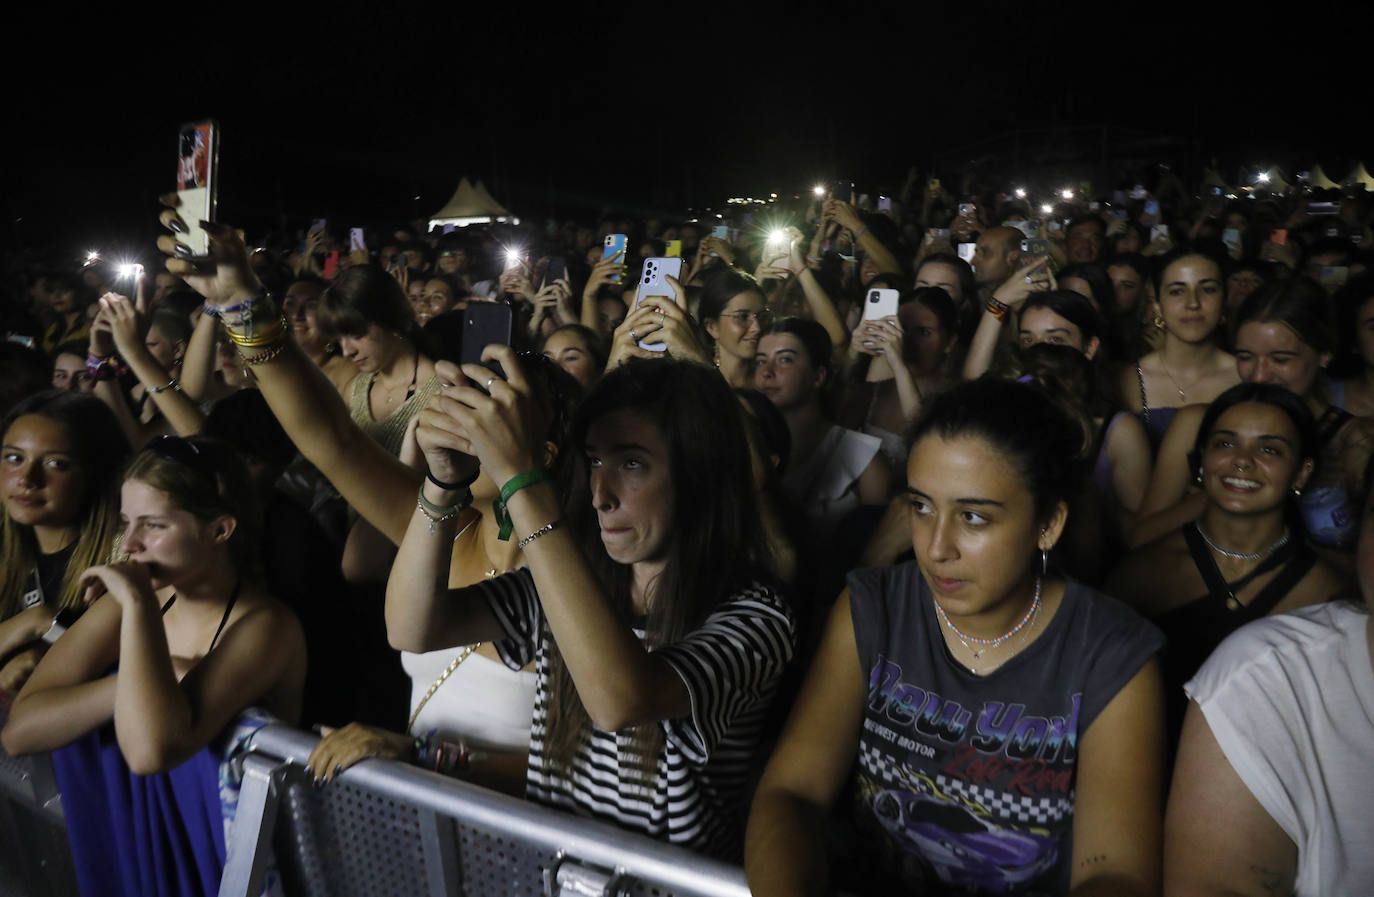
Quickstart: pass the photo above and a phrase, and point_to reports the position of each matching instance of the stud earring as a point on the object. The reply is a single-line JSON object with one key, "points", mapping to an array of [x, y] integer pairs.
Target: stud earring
{"points": [[1297, 490], [1158, 321]]}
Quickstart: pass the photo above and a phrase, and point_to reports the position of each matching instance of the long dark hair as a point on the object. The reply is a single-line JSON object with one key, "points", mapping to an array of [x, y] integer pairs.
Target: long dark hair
{"points": [[1020, 422], [717, 543]]}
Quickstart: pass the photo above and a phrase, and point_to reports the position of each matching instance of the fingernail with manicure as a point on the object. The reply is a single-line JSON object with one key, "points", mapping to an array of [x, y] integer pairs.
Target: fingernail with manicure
{"points": [[176, 226], [182, 250]]}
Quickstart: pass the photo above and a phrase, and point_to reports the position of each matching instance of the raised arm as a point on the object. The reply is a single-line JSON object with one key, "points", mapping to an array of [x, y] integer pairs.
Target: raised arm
{"points": [[784, 849], [198, 365], [128, 330], [822, 306], [601, 274], [619, 682], [1001, 313], [843, 213], [378, 485]]}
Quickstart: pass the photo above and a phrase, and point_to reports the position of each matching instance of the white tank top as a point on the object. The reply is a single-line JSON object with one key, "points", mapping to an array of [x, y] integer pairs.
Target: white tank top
{"points": [[483, 701]]}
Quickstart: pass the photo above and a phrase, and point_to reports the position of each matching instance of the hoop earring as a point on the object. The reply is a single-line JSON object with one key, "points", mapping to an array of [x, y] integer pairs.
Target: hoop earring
{"points": [[1044, 558], [1158, 321]]}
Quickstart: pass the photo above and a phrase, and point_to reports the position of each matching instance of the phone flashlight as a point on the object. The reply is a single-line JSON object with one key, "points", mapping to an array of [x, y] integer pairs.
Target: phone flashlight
{"points": [[1066, 193], [512, 257], [131, 269], [1020, 192], [1262, 177], [818, 190], [777, 236], [92, 257], [1046, 209]]}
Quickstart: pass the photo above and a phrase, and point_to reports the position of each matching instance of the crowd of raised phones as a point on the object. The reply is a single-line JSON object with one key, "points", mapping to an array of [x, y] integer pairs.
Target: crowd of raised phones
{"points": [[942, 544]]}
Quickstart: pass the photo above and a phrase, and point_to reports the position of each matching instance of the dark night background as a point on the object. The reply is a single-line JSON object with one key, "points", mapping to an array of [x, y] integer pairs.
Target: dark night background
{"points": [[331, 113]]}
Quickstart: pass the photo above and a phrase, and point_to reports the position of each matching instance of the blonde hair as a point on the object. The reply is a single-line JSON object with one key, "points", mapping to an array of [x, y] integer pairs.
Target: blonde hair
{"points": [[101, 450]]}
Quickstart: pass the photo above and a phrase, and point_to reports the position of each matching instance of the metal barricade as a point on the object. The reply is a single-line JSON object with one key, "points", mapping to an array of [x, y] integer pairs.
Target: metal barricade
{"points": [[35, 857], [387, 828]]}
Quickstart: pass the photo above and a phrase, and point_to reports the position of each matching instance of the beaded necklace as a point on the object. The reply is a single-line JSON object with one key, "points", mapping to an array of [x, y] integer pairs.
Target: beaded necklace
{"points": [[991, 642]]}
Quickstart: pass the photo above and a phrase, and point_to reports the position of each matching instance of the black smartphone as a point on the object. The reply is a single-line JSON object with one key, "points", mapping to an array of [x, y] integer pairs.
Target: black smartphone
{"points": [[842, 190], [556, 268], [485, 323], [197, 182]]}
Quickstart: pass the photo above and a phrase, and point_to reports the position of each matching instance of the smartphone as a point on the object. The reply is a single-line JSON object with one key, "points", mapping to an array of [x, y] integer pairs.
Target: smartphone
{"points": [[933, 184], [331, 264], [556, 268], [721, 231], [197, 182], [318, 224], [1055, 226], [450, 227], [653, 284], [937, 233], [610, 246], [1159, 230], [882, 303], [1034, 248], [884, 204], [776, 250], [673, 249], [1151, 207], [966, 251], [1138, 192], [485, 323], [356, 243], [1023, 226], [1323, 208], [1231, 237], [1279, 235], [842, 190]]}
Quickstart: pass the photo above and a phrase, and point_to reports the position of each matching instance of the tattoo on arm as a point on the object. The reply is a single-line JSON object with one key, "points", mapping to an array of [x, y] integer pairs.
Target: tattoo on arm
{"points": [[1093, 861], [1268, 879]]}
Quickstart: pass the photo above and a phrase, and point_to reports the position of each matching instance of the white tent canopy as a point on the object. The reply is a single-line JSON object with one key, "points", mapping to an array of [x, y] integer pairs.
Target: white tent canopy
{"points": [[470, 205], [1319, 180], [1359, 175]]}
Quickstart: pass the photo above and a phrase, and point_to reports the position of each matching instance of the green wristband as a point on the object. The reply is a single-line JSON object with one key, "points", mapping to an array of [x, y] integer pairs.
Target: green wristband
{"points": [[513, 485]]}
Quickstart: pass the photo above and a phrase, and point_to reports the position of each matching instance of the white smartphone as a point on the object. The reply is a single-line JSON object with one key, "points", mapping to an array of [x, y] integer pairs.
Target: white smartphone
{"points": [[356, 243], [881, 303], [197, 182], [966, 251], [653, 283]]}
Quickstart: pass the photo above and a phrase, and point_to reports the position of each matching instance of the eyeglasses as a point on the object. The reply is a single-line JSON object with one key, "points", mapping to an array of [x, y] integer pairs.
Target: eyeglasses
{"points": [[744, 318]]}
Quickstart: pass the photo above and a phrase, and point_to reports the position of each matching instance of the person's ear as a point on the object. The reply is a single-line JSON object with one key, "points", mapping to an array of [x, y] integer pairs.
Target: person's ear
{"points": [[222, 528], [1324, 359], [1053, 527], [1091, 348], [550, 453], [1304, 473], [179, 350], [712, 327]]}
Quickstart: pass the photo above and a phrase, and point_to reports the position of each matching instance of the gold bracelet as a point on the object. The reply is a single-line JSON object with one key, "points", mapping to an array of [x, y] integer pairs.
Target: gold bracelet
{"points": [[269, 335], [265, 355]]}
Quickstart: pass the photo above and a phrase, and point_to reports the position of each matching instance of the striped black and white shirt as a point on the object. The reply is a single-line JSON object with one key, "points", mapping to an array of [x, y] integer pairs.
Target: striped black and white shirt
{"points": [[731, 666]]}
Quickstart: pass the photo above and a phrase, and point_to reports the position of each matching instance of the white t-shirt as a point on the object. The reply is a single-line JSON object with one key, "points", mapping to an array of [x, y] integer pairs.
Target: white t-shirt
{"points": [[1290, 700]]}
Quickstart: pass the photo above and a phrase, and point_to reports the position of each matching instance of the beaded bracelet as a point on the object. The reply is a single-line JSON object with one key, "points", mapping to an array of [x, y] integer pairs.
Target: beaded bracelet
{"points": [[438, 514]]}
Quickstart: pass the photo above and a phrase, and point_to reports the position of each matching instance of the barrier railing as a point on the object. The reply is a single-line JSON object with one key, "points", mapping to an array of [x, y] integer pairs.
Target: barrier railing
{"points": [[388, 828], [380, 828], [35, 858]]}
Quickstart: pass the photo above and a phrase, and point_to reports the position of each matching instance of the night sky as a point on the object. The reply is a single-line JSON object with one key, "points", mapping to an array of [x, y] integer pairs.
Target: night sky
{"points": [[349, 117]]}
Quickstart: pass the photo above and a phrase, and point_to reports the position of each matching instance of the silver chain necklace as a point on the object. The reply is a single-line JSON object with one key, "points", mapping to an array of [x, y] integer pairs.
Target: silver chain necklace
{"points": [[1242, 555]]}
